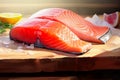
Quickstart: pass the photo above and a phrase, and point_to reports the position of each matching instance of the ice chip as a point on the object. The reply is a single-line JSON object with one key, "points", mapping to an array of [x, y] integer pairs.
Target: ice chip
{"points": [[31, 46]]}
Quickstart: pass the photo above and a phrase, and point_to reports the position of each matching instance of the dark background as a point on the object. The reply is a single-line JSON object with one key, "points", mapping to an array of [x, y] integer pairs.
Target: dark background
{"points": [[83, 7]]}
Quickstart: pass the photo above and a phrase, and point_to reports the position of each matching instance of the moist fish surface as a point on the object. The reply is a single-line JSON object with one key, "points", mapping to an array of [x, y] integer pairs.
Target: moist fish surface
{"points": [[50, 34], [84, 29]]}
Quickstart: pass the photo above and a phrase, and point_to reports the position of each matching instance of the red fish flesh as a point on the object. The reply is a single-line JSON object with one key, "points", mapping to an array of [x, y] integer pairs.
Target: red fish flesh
{"points": [[81, 27], [50, 34]]}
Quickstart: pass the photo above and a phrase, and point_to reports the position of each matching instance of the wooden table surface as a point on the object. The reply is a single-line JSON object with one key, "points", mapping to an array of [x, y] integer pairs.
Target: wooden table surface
{"points": [[19, 58]]}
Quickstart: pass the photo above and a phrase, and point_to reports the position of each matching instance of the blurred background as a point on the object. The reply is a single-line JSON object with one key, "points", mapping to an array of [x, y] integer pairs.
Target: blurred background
{"points": [[83, 7]]}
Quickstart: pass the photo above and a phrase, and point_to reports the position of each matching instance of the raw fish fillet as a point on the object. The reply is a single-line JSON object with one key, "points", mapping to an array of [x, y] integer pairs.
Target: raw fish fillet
{"points": [[49, 34], [84, 29]]}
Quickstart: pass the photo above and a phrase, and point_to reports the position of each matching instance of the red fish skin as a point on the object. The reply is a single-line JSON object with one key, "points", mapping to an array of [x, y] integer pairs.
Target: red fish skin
{"points": [[81, 27], [52, 35]]}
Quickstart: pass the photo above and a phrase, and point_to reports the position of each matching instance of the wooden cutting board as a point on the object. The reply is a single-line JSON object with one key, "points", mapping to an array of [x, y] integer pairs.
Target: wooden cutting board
{"points": [[17, 57]]}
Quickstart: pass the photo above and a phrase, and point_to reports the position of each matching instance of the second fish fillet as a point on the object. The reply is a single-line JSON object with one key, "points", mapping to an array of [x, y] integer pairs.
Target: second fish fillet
{"points": [[81, 27]]}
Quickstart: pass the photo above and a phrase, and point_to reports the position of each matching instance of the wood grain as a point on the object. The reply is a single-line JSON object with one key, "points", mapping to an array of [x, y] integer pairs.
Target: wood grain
{"points": [[16, 57]]}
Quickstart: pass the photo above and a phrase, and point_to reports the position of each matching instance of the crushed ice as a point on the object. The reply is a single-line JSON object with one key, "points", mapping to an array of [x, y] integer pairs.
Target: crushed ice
{"points": [[31, 46], [6, 42], [96, 20]]}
